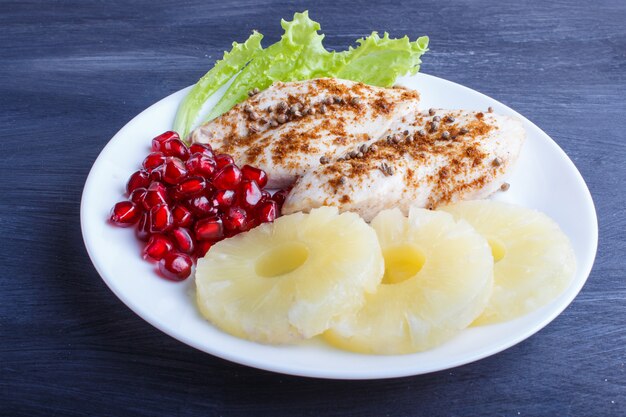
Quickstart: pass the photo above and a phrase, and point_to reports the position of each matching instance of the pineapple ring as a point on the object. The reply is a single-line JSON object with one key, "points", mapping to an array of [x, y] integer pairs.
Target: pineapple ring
{"points": [[535, 261], [438, 278], [290, 279]]}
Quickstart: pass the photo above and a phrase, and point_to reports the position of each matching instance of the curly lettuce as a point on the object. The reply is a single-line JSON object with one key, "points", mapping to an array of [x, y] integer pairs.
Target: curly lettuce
{"points": [[379, 61], [220, 74], [301, 55]]}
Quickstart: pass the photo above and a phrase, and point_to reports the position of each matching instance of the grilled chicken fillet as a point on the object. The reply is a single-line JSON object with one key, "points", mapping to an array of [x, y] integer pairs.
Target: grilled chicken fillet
{"points": [[291, 128], [465, 155], [365, 148]]}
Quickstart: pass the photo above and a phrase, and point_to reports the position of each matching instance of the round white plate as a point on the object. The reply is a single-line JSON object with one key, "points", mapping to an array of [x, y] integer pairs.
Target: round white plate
{"points": [[544, 178]]}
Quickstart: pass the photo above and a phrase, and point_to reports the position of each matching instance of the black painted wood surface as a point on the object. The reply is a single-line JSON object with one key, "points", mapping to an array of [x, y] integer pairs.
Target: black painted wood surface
{"points": [[74, 72]]}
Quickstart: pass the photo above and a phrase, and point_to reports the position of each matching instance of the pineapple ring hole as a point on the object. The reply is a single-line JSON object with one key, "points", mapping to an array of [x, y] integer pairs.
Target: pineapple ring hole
{"points": [[401, 263], [497, 249], [282, 260]]}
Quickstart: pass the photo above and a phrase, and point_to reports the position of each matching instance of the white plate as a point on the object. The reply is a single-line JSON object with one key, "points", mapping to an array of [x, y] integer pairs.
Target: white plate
{"points": [[544, 178]]}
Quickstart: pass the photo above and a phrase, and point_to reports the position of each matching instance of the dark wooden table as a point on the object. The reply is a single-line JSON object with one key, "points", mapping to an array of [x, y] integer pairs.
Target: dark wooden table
{"points": [[74, 72]]}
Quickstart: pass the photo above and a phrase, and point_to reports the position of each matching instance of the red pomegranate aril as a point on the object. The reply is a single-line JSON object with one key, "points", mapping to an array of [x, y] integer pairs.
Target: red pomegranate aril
{"points": [[225, 198], [222, 160], [228, 178], [176, 148], [182, 216], [156, 194], [153, 160], [265, 195], [251, 224], [157, 247], [251, 173], [157, 173], [210, 228], [201, 206], [279, 197], [138, 196], [203, 148], [182, 239], [163, 137], [143, 227], [138, 179], [250, 194], [175, 266], [174, 192], [235, 219], [201, 164], [190, 186], [202, 247], [209, 192], [171, 193], [230, 233], [267, 211], [161, 219], [174, 171], [125, 214]]}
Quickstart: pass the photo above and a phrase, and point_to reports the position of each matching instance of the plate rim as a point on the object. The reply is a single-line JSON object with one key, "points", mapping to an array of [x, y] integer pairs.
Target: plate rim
{"points": [[355, 375]]}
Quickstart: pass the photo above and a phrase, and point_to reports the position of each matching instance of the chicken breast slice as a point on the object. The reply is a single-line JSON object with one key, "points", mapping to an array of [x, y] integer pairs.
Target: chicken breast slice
{"points": [[292, 128], [426, 160]]}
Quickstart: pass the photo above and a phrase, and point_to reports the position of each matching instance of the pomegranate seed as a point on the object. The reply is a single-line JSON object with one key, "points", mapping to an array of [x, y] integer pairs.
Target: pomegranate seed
{"points": [[138, 196], [153, 160], [182, 239], [279, 197], [174, 171], [171, 193], [175, 266], [143, 227], [235, 219], [157, 173], [156, 194], [177, 193], [209, 191], [200, 164], [202, 206], [202, 247], [203, 148], [225, 198], [125, 213], [250, 194], [161, 218], [138, 179], [267, 211], [251, 173], [222, 160], [265, 195], [175, 147], [191, 186], [252, 223], [210, 228], [158, 141], [228, 178], [157, 247], [182, 216]]}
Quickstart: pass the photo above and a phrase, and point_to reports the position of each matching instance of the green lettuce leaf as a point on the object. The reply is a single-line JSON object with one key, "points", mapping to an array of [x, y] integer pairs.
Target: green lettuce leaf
{"points": [[220, 74], [300, 55], [379, 61]]}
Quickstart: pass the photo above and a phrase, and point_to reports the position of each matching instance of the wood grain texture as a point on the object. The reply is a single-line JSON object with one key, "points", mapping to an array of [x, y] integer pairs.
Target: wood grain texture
{"points": [[72, 73]]}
